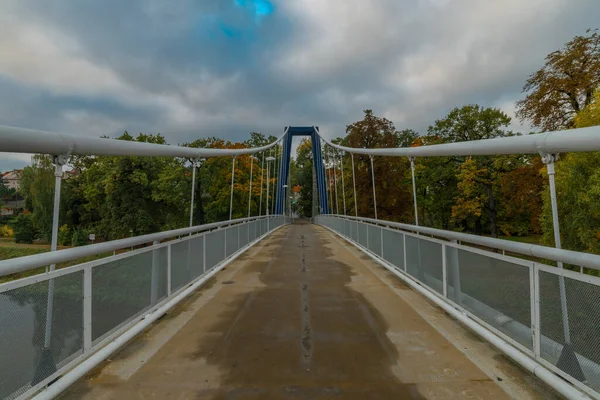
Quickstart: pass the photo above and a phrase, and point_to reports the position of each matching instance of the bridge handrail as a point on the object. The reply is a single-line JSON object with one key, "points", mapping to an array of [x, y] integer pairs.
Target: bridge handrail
{"points": [[572, 140], [549, 253], [25, 263], [19, 140]]}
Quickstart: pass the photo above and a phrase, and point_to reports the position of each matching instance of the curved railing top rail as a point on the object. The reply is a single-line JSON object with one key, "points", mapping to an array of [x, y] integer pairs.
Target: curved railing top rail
{"points": [[573, 140], [19, 140], [549, 253], [20, 264]]}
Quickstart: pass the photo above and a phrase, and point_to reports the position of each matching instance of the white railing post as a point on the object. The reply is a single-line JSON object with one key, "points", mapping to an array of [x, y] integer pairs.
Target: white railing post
{"points": [[455, 268], [155, 275], [535, 309], [444, 272], [87, 309], [250, 188], [204, 253], [168, 270]]}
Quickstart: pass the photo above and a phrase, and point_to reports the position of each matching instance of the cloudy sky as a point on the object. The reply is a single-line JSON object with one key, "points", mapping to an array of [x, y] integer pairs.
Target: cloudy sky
{"points": [[192, 68]]}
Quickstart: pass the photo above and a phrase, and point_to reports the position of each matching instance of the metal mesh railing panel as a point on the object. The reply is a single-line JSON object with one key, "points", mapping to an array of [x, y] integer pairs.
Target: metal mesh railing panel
{"points": [[252, 229], [197, 256], [393, 247], [583, 310], [375, 239], [232, 239], [424, 262], [362, 235], [215, 248], [181, 264], [243, 236], [353, 231], [23, 361], [493, 289], [121, 291]]}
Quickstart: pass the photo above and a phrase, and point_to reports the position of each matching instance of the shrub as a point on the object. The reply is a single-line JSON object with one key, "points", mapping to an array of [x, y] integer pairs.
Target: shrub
{"points": [[24, 232], [65, 236], [79, 238], [6, 231]]}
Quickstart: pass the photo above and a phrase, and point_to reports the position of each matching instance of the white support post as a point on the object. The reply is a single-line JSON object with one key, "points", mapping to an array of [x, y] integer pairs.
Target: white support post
{"points": [[232, 183], [414, 185], [250, 188], [268, 186], [549, 160], [337, 209], [46, 364], [373, 179], [354, 186], [194, 165], [568, 360], [262, 171], [275, 179], [343, 186]]}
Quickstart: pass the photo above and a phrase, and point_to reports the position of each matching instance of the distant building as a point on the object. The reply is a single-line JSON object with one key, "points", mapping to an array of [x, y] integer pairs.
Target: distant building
{"points": [[11, 207], [12, 179]]}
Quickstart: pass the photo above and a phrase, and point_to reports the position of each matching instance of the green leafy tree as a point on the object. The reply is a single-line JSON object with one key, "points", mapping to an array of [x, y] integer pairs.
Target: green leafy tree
{"points": [[305, 178], [564, 86], [477, 181], [577, 189], [24, 230], [37, 187]]}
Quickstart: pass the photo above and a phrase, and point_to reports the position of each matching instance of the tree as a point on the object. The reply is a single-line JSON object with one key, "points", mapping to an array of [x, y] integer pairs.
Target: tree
{"points": [[577, 190], [24, 230], [589, 116], [407, 137], [391, 173], [477, 180], [305, 178], [37, 187], [125, 195], [564, 86]]}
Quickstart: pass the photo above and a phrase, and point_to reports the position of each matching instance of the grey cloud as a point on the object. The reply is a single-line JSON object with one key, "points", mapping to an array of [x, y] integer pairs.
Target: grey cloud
{"points": [[180, 74]]}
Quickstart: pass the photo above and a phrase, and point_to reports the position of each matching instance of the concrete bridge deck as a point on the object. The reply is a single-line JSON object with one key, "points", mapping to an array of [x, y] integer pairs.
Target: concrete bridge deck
{"points": [[305, 315]]}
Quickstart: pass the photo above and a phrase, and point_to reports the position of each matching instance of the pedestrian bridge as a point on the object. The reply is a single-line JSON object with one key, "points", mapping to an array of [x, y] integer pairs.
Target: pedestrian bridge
{"points": [[274, 307]]}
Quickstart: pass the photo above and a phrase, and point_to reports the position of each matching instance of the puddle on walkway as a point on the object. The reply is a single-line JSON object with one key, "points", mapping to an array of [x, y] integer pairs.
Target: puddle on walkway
{"points": [[305, 334]]}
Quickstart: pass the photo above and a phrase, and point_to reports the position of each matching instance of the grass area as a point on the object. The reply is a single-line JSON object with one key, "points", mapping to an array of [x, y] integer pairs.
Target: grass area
{"points": [[8, 252]]}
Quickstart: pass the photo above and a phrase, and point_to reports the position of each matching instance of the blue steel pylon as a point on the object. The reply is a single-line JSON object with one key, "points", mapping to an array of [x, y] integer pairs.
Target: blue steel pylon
{"points": [[284, 169]]}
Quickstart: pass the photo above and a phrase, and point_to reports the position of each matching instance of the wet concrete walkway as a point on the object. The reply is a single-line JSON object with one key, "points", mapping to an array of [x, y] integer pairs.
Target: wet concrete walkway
{"points": [[304, 315]]}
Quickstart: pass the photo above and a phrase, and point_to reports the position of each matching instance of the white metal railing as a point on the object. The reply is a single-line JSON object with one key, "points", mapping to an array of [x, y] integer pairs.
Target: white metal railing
{"points": [[513, 303], [19, 140], [97, 306]]}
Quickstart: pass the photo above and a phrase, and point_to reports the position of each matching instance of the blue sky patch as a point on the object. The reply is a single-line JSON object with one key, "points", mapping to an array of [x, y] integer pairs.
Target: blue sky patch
{"points": [[260, 8]]}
